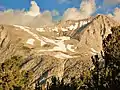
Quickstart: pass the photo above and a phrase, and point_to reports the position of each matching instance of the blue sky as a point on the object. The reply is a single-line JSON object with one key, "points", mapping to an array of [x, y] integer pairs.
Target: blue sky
{"points": [[53, 4]]}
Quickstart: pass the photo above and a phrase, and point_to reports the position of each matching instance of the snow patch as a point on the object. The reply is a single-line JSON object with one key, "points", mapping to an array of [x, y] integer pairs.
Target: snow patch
{"points": [[63, 38], [55, 29], [40, 29], [43, 43], [27, 27], [60, 48], [93, 50], [82, 23], [88, 21], [69, 47], [76, 25], [110, 32], [64, 29], [72, 27], [30, 41], [93, 53]]}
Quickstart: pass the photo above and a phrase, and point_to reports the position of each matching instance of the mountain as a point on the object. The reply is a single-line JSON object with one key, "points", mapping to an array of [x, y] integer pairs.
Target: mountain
{"points": [[63, 50], [92, 34]]}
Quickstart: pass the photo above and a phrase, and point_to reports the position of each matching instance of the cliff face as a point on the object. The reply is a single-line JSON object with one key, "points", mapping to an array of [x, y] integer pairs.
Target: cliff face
{"points": [[63, 50]]}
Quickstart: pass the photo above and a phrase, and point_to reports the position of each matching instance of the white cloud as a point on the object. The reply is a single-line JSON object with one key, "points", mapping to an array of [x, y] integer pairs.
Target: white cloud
{"points": [[87, 8], [34, 9], [72, 14], [33, 17], [45, 19], [116, 14]]}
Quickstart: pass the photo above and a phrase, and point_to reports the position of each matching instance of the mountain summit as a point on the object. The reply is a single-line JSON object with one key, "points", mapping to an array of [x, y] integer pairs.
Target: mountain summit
{"points": [[92, 34]]}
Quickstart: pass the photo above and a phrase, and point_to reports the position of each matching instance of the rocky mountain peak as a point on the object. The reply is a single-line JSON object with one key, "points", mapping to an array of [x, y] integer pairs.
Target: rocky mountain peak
{"points": [[92, 34]]}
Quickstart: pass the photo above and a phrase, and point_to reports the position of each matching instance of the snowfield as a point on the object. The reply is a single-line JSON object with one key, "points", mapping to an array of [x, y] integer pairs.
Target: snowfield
{"points": [[30, 41]]}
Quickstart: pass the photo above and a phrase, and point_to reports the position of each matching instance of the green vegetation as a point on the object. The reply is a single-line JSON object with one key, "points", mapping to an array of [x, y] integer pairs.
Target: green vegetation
{"points": [[11, 77]]}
